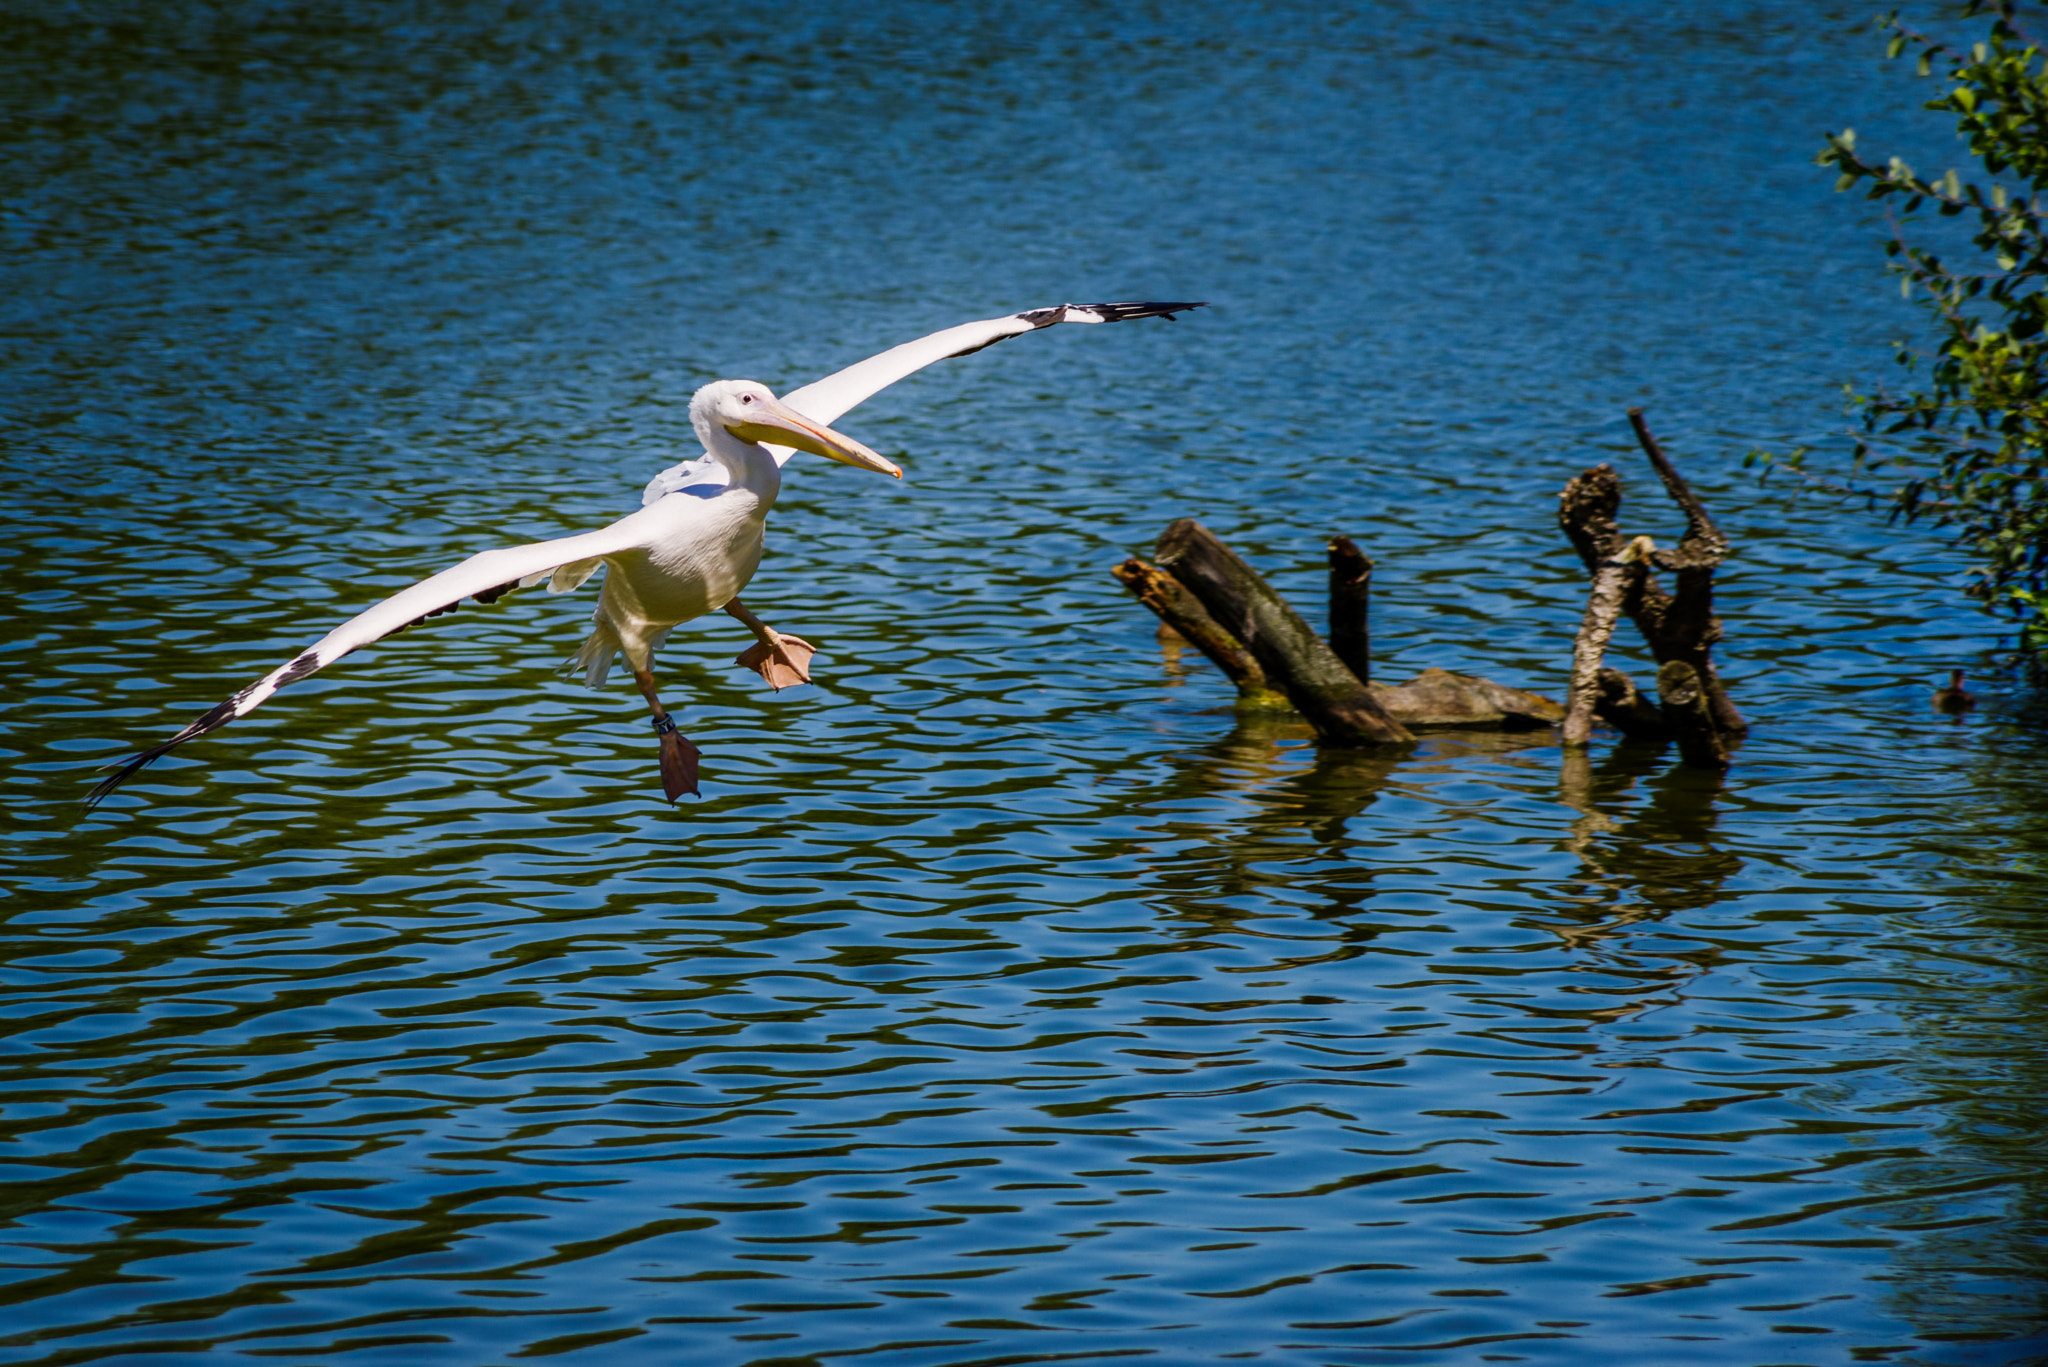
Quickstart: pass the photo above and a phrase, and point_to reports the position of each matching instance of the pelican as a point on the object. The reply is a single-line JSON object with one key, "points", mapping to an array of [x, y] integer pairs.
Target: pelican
{"points": [[692, 546]]}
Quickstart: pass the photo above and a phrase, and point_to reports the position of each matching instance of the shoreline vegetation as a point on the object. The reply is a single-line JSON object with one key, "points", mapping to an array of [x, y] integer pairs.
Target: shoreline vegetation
{"points": [[1970, 446]]}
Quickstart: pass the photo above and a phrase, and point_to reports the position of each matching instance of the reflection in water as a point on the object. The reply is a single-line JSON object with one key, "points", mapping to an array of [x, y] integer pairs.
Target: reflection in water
{"points": [[1659, 860], [1978, 1194], [1278, 808], [1661, 857]]}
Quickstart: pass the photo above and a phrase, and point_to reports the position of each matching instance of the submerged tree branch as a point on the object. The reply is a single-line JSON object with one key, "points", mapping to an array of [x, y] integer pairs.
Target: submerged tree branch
{"points": [[1676, 626], [1342, 710], [1171, 602]]}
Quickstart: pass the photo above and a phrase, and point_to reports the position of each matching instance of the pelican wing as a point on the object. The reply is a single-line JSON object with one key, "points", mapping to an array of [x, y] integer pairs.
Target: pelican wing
{"points": [[829, 399], [486, 576]]}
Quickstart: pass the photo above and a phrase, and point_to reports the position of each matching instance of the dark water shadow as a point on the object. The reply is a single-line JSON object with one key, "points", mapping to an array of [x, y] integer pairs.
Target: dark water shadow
{"points": [[1971, 1007]]}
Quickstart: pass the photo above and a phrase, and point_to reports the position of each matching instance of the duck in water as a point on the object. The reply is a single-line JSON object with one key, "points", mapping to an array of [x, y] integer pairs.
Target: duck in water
{"points": [[1955, 699]]}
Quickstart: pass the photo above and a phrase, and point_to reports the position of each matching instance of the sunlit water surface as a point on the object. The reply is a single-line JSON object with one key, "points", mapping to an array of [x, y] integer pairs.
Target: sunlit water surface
{"points": [[1003, 999]]}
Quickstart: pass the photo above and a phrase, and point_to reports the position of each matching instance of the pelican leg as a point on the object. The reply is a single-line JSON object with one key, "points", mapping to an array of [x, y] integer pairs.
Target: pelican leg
{"points": [[678, 756], [782, 660]]}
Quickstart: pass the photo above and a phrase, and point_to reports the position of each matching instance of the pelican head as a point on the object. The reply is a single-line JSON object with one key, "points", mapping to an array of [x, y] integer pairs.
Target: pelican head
{"points": [[751, 412]]}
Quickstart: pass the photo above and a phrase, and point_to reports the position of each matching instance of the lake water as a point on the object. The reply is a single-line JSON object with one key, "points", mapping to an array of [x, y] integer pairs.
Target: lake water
{"points": [[1004, 999]]}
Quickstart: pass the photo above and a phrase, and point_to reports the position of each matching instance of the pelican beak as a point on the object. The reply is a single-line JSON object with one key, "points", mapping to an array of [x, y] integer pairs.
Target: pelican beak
{"points": [[777, 424]]}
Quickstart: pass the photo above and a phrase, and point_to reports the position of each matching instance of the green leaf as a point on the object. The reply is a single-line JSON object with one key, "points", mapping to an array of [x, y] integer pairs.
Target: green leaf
{"points": [[1972, 443]]}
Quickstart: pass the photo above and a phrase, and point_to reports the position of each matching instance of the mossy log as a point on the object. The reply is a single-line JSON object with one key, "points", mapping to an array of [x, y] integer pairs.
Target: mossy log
{"points": [[1207, 594], [1342, 710], [1180, 610]]}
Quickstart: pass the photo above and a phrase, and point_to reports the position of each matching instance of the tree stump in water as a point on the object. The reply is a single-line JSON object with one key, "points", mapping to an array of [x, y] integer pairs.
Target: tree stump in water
{"points": [[1340, 708], [1622, 706], [1350, 607], [1690, 716], [1184, 613], [1207, 593], [1679, 627], [1596, 629], [1210, 596]]}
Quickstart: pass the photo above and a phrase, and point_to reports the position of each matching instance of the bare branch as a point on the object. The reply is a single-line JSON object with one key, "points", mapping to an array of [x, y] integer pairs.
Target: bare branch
{"points": [[1702, 537]]}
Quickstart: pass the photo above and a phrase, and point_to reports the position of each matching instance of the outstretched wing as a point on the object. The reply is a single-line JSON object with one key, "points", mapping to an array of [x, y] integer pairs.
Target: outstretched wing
{"points": [[829, 399], [486, 577]]}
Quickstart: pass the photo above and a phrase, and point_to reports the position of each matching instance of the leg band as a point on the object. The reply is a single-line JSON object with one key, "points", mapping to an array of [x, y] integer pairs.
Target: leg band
{"points": [[664, 724]]}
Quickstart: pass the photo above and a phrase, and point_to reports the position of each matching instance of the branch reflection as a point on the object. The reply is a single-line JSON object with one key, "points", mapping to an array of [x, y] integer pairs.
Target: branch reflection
{"points": [[1639, 860], [1289, 825]]}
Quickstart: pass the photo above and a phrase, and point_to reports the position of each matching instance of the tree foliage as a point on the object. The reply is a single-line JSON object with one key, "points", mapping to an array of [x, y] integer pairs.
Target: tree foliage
{"points": [[1975, 439]]}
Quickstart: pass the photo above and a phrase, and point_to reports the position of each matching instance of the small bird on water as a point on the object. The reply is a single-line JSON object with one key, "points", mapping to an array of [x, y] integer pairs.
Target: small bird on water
{"points": [[1955, 699], [694, 543]]}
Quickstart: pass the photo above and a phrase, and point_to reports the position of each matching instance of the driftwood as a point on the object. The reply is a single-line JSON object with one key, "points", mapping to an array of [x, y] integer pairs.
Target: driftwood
{"points": [[1603, 608], [1678, 626], [1622, 706], [1690, 716], [1184, 613], [1350, 606], [1296, 661], [1207, 594], [1437, 697]]}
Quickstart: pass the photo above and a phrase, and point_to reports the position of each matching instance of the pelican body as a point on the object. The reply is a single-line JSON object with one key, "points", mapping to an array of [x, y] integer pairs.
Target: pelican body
{"points": [[690, 549]]}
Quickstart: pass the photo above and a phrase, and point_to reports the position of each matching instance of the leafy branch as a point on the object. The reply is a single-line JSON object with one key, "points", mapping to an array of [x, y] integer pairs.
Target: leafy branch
{"points": [[1977, 436]]}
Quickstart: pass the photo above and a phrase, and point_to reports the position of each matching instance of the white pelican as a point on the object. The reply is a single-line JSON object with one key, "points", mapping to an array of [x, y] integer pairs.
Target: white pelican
{"points": [[692, 546]]}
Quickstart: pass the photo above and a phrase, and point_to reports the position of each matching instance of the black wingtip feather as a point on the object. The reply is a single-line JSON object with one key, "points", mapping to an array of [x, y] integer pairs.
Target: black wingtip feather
{"points": [[1109, 313], [1118, 313], [120, 773], [215, 717], [304, 663]]}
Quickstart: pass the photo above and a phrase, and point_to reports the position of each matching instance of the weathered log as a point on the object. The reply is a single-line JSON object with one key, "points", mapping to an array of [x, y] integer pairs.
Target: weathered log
{"points": [[1182, 612], [1340, 708], [1350, 606], [1690, 716], [1679, 626], [1622, 706], [1596, 628], [1437, 697], [1689, 622]]}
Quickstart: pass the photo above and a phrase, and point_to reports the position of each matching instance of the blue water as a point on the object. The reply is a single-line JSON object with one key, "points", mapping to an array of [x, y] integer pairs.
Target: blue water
{"points": [[1006, 998]]}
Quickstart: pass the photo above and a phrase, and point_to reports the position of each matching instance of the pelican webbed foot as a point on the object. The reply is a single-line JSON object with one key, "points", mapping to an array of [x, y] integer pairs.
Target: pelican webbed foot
{"points": [[678, 759], [678, 756], [784, 664], [784, 661]]}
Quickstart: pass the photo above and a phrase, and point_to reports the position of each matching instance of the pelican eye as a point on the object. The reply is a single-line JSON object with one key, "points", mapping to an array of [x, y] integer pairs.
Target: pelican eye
{"points": [[746, 398]]}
